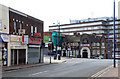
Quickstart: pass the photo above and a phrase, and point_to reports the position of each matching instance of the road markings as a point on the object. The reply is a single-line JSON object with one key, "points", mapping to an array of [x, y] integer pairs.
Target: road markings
{"points": [[39, 73], [101, 72], [45, 71]]}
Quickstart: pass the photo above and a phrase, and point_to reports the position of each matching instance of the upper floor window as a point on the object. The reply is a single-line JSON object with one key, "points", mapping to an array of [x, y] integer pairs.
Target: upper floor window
{"points": [[93, 44], [15, 27], [32, 30], [20, 25], [98, 44], [35, 29], [103, 44]]}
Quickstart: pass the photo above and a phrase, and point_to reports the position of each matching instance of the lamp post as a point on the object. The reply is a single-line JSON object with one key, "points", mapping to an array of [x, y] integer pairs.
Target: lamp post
{"points": [[50, 46], [114, 38], [57, 37]]}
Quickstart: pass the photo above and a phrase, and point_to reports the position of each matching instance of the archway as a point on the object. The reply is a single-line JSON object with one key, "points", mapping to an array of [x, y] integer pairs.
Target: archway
{"points": [[85, 52]]}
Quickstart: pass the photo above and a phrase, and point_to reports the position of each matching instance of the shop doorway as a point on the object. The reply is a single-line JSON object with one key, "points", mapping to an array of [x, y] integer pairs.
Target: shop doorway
{"points": [[14, 57], [22, 56], [18, 56]]}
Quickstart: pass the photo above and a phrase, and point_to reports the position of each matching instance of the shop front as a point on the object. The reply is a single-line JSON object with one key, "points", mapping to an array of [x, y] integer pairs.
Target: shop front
{"points": [[18, 54], [35, 54], [4, 39]]}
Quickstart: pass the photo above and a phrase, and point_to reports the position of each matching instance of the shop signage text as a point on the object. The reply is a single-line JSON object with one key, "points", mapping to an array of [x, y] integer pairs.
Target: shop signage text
{"points": [[34, 41], [15, 38], [102, 47], [85, 44], [37, 34], [95, 47]]}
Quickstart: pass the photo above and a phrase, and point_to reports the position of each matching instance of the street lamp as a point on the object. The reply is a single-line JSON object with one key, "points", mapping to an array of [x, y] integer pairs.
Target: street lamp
{"points": [[114, 38], [58, 30]]}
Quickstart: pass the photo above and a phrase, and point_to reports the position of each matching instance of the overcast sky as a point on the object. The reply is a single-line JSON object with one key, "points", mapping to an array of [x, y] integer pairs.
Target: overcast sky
{"points": [[53, 11]]}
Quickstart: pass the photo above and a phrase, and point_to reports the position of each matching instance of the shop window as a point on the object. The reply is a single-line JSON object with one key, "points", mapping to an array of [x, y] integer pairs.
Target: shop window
{"points": [[94, 52], [98, 52], [103, 51]]}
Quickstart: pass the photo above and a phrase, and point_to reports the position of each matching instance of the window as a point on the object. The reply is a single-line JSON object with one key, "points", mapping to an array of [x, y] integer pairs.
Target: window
{"points": [[102, 44], [20, 25], [35, 29], [32, 30], [98, 44], [103, 51], [15, 27], [93, 44]]}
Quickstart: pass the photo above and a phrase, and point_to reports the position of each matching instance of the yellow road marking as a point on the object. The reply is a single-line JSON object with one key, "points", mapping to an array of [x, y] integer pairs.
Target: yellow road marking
{"points": [[100, 72]]}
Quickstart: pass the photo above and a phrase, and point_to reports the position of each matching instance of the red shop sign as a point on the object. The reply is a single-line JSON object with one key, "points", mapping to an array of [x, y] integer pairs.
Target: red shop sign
{"points": [[46, 34], [37, 34], [34, 41]]}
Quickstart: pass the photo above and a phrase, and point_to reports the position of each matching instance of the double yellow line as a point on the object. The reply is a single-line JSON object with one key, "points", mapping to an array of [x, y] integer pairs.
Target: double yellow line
{"points": [[101, 72]]}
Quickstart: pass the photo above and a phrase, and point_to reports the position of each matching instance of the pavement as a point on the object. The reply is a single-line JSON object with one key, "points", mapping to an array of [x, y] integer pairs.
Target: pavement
{"points": [[109, 72], [46, 62], [112, 72]]}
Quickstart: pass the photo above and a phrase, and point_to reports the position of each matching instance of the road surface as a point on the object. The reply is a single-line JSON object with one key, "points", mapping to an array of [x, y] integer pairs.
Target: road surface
{"points": [[73, 67]]}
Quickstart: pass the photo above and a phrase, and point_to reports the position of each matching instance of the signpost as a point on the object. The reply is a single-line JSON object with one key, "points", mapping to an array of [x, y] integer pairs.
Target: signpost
{"points": [[114, 37], [46, 37]]}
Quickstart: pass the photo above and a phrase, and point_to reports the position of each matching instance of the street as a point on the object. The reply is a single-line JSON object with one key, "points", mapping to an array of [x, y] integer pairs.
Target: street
{"points": [[73, 67]]}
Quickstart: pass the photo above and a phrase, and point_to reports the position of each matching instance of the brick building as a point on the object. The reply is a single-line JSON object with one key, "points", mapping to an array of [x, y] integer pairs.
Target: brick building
{"points": [[85, 46], [25, 35]]}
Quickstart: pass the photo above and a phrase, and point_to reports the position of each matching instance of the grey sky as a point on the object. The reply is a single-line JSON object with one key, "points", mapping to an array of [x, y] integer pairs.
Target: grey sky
{"points": [[51, 11]]}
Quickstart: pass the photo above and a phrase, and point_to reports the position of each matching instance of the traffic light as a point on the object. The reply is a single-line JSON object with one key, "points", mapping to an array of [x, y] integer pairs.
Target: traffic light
{"points": [[49, 46]]}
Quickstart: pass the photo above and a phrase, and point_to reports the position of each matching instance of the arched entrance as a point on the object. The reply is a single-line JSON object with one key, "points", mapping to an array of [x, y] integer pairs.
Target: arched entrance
{"points": [[85, 52]]}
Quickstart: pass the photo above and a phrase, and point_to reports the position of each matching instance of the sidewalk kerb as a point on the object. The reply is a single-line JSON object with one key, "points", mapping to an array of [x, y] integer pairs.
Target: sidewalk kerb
{"points": [[30, 66], [19, 68]]}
